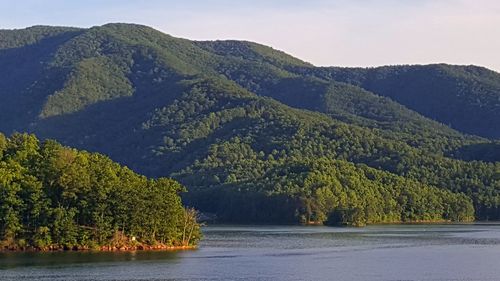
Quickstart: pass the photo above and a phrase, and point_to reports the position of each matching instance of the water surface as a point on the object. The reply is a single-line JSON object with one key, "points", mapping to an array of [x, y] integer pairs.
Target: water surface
{"points": [[392, 252]]}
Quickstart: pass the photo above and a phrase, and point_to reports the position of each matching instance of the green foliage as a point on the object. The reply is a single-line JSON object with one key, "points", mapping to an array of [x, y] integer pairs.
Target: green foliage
{"points": [[56, 197], [262, 188], [233, 140], [218, 117], [93, 80], [464, 97], [42, 238], [22, 37], [250, 51]]}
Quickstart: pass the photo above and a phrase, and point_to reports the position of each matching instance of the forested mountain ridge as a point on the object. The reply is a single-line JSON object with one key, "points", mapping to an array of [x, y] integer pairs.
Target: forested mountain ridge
{"points": [[441, 92], [240, 122], [464, 97], [23, 37]]}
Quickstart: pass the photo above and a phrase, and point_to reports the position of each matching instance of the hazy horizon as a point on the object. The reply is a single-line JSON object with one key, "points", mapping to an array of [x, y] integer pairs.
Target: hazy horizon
{"points": [[363, 33]]}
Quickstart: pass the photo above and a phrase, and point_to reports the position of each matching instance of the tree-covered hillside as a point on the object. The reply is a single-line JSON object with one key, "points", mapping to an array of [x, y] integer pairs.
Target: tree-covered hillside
{"points": [[268, 72], [254, 134], [466, 98], [56, 197]]}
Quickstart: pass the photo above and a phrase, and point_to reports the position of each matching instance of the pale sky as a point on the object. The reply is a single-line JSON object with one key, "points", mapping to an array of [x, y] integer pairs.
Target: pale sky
{"points": [[336, 32]]}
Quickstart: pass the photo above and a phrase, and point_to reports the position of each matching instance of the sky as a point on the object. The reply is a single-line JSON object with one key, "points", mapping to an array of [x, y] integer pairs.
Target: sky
{"points": [[326, 33]]}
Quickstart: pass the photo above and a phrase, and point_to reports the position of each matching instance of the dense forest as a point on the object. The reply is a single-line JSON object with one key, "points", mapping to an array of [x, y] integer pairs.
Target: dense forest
{"points": [[330, 192], [257, 135], [54, 197], [462, 97]]}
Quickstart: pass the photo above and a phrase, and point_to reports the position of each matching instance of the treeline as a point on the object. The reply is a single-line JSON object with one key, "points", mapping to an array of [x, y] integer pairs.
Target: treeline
{"points": [[320, 191], [54, 197]]}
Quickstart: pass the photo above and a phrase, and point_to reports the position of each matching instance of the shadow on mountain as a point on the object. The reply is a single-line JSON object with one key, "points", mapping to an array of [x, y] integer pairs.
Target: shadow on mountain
{"points": [[25, 73], [487, 152]]}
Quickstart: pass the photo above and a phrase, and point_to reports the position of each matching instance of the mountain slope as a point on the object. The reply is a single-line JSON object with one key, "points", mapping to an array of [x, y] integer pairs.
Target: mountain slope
{"points": [[303, 86], [467, 98], [446, 93], [238, 119]]}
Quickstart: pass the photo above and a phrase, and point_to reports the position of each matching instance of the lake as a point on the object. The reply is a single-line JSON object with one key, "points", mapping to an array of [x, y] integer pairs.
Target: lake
{"points": [[387, 252]]}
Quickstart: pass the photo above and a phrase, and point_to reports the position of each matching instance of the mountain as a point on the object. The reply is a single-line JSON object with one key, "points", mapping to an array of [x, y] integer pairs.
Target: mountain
{"points": [[466, 98], [255, 134]]}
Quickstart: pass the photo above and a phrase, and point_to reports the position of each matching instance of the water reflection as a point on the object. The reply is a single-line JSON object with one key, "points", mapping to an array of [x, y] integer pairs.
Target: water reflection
{"points": [[388, 252], [61, 259]]}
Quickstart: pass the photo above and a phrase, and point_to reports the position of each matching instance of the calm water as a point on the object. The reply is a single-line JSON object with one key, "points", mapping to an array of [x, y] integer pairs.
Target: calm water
{"points": [[423, 252]]}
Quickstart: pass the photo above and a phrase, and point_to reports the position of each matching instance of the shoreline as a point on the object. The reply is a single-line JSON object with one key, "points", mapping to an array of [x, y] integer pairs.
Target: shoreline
{"points": [[162, 247], [140, 248], [313, 223]]}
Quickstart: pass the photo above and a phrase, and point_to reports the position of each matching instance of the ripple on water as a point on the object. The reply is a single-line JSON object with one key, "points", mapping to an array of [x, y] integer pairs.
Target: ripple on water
{"points": [[397, 252]]}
